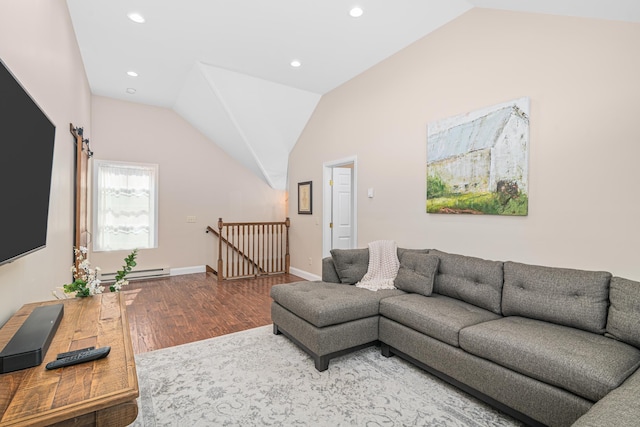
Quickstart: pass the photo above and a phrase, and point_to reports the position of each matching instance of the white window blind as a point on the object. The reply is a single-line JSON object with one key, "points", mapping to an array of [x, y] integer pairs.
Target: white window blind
{"points": [[125, 206]]}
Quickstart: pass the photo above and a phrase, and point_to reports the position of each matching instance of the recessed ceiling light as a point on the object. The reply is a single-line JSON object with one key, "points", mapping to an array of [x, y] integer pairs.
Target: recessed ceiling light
{"points": [[136, 17], [132, 73], [295, 63], [356, 12], [131, 90]]}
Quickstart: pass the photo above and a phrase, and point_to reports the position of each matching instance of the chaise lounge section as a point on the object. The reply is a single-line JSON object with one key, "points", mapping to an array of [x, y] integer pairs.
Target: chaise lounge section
{"points": [[546, 345], [327, 319]]}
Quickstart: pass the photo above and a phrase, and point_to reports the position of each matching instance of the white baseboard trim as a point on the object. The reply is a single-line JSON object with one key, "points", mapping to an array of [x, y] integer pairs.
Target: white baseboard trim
{"points": [[188, 270], [304, 274], [202, 269]]}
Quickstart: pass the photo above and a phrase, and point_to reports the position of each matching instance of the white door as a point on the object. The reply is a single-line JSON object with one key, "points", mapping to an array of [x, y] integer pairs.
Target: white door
{"points": [[339, 204], [342, 211]]}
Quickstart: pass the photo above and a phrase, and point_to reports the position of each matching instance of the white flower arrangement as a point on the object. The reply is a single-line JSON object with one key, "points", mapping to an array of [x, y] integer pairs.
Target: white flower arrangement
{"points": [[86, 282]]}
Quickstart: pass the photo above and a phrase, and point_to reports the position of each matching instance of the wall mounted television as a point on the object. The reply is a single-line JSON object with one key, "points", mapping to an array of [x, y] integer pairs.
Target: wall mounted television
{"points": [[26, 161]]}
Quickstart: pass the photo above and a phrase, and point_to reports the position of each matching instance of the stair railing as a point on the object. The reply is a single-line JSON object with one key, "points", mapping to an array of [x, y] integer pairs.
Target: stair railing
{"points": [[251, 249]]}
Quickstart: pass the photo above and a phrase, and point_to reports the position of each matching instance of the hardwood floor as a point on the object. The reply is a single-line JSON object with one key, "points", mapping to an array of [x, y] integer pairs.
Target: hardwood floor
{"points": [[181, 309]]}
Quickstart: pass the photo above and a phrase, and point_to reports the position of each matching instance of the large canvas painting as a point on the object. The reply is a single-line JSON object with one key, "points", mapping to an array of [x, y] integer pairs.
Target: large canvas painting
{"points": [[477, 163]]}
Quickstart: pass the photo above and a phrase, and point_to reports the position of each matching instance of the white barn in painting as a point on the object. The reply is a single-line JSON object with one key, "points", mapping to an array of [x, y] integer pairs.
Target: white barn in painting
{"points": [[475, 155]]}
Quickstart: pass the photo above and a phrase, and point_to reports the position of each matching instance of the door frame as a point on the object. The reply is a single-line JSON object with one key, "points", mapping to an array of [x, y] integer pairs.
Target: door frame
{"points": [[327, 205]]}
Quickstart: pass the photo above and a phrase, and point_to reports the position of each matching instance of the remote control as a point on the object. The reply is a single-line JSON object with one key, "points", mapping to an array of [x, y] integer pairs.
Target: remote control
{"points": [[73, 352], [85, 356]]}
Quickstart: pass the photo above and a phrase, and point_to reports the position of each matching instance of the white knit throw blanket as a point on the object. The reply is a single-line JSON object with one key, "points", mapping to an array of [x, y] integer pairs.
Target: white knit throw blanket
{"points": [[383, 266]]}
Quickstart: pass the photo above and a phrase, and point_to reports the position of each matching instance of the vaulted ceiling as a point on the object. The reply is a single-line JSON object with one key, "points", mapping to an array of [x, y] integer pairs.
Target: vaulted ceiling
{"points": [[226, 65]]}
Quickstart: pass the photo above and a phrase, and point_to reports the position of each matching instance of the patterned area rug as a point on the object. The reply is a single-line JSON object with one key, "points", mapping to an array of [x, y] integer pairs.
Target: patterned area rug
{"points": [[255, 378]]}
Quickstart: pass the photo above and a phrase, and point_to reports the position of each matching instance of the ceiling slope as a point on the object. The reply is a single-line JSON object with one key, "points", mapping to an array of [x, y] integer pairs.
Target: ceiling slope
{"points": [[255, 121]]}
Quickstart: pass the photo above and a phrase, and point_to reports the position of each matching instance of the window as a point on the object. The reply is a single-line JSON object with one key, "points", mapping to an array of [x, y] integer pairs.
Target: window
{"points": [[125, 206]]}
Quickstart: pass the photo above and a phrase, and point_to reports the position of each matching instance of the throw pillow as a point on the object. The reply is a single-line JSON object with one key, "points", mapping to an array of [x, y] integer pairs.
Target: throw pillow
{"points": [[417, 273], [351, 264], [402, 251]]}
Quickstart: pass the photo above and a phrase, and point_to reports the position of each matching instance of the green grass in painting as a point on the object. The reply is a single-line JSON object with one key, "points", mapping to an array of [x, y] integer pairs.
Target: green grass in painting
{"points": [[480, 203], [436, 187]]}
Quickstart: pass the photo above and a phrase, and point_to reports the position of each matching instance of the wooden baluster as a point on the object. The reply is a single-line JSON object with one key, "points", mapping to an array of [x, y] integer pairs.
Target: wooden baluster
{"points": [[255, 235], [234, 267], [239, 251], [257, 255], [286, 256], [253, 245], [273, 248], [229, 248], [240, 259], [269, 249], [283, 243], [281, 248], [231, 258], [220, 274], [274, 245], [264, 240], [232, 261], [244, 235]]}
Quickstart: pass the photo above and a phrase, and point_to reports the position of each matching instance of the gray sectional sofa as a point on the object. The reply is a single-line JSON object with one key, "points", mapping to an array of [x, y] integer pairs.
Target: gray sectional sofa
{"points": [[546, 345]]}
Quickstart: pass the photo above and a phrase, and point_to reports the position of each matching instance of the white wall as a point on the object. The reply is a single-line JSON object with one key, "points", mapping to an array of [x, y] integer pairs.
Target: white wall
{"points": [[582, 78], [196, 178], [38, 45]]}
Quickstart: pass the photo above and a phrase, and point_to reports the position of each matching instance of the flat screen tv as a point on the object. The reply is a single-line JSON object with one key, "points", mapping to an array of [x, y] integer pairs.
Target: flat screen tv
{"points": [[26, 160]]}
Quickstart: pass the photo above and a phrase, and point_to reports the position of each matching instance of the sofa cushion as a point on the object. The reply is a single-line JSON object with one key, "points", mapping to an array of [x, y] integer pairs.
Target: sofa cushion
{"points": [[473, 280], [323, 304], [437, 316], [329, 273], [402, 251], [587, 364], [619, 408], [417, 272], [623, 321], [576, 298], [351, 264]]}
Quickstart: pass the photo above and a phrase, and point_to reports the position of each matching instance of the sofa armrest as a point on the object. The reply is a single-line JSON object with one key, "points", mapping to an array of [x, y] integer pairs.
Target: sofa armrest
{"points": [[329, 273], [620, 408]]}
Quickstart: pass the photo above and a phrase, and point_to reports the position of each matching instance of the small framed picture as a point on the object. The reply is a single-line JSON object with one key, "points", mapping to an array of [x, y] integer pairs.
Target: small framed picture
{"points": [[305, 205]]}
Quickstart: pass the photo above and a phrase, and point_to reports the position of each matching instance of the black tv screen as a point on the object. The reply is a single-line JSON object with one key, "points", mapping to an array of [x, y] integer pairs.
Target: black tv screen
{"points": [[26, 160]]}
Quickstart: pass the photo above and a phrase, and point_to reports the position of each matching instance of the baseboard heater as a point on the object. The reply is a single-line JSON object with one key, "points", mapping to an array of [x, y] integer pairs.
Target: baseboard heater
{"points": [[137, 274], [30, 343]]}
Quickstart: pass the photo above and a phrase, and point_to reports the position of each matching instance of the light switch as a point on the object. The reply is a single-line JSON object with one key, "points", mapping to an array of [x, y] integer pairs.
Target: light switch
{"points": [[370, 193]]}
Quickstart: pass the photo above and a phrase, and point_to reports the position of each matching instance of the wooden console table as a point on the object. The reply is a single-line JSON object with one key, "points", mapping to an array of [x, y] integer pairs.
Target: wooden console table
{"points": [[98, 393]]}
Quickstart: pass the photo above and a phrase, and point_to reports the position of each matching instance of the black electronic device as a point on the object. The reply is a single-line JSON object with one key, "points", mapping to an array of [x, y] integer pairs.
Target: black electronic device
{"points": [[26, 162], [85, 356], [73, 352], [30, 343]]}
